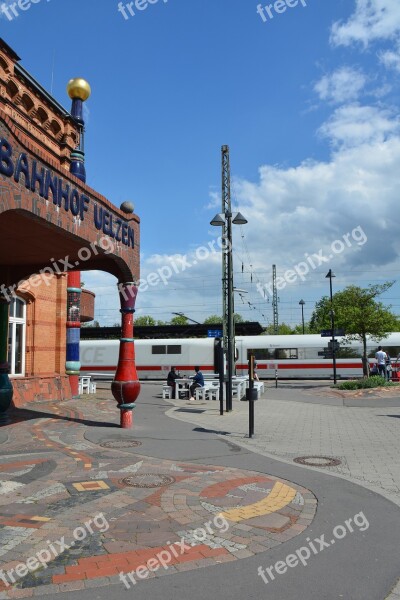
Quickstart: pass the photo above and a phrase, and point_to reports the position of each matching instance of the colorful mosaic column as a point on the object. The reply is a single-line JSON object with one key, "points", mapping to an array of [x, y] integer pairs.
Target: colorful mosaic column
{"points": [[79, 91], [73, 366], [6, 390], [126, 386]]}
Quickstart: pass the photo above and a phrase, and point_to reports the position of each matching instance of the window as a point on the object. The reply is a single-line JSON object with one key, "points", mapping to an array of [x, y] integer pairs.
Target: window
{"points": [[166, 349], [174, 349], [274, 353], [16, 337], [158, 349], [291, 353]]}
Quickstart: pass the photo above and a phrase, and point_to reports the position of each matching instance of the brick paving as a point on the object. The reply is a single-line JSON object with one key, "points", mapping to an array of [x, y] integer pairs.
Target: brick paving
{"points": [[306, 420], [297, 422], [91, 512]]}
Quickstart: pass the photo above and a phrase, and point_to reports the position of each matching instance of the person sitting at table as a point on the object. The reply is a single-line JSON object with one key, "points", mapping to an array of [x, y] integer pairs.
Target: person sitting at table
{"points": [[172, 375], [198, 381]]}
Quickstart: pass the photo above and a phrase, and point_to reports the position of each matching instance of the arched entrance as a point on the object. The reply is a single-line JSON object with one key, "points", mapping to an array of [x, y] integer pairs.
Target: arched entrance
{"points": [[52, 223]]}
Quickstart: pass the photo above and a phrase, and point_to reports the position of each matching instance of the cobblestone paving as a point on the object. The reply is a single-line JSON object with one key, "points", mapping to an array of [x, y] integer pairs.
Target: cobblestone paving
{"points": [[88, 512], [365, 440]]}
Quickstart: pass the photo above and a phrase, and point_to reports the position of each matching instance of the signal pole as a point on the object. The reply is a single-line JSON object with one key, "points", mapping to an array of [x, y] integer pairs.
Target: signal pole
{"points": [[226, 219], [227, 274]]}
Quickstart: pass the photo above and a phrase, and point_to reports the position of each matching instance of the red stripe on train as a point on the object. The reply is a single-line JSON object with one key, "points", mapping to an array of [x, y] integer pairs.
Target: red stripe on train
{"points": [[296, 365], [147, 368]]}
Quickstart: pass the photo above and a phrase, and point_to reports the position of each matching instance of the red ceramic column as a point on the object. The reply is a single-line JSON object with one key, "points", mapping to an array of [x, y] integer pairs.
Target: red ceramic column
{"points": [[126, 386]]}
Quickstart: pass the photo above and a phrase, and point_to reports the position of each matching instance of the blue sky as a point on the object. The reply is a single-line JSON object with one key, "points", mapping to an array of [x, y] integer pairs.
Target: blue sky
{"points": [[307, 102]]}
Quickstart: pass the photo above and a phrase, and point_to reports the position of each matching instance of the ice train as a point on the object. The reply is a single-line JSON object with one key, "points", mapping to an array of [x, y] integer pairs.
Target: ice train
{"points": [[294, 356]]}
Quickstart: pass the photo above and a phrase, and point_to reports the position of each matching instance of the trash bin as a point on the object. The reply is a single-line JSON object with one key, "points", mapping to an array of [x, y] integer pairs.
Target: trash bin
{"points": [[251, 394]]}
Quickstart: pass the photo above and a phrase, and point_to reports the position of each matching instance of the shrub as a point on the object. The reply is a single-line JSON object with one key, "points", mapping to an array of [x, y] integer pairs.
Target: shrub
{"points": [[363, 384]]}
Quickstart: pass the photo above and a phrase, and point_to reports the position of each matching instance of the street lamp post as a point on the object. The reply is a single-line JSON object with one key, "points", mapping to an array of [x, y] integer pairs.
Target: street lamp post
{"points": [[329, 276], [225, 220], [302, 303]]}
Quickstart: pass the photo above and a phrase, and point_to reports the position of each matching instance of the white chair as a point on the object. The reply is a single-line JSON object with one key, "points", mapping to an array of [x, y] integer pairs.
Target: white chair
{"points": [[259, 386], [238, 389], [84, 384], [200, 391], [212, 393], [93, 387], [167, 391]]}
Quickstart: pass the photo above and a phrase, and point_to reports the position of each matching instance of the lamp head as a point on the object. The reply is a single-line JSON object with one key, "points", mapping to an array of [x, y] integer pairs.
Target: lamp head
{"points": [[218, 220], [239, 219]]}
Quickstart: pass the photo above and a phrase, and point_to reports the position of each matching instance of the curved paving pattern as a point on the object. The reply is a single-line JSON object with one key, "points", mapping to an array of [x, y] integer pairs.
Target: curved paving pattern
{"points": [[52, 481]]}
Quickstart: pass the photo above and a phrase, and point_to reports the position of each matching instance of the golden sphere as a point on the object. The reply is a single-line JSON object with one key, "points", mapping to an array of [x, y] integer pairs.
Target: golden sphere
{"points": [[78, 88]]}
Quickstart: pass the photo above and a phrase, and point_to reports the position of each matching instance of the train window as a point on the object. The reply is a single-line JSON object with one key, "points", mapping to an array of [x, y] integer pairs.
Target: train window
{"points": [[159, 349], [347, 352], [174, 349], [261, 353], [274, 353], [292, 353], [393, 351]]}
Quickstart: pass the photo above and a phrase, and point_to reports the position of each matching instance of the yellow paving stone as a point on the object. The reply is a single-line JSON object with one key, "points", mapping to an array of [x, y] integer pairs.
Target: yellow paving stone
{"points": [[85, 486], [280, 495]]}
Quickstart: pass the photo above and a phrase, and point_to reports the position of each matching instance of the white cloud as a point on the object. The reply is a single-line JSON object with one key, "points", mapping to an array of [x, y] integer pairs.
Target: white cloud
{"points": [[343, 85], [372, 20], [300, 210], [353, 124], [292, 213], [391, 58]]}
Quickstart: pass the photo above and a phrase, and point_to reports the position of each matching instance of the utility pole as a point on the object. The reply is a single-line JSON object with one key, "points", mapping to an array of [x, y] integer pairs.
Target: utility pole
{"points": [[275, 300], [227, 274], [226, 219]]}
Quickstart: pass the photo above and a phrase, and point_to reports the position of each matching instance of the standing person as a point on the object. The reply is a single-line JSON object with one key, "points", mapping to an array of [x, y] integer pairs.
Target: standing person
{"points": [[198, 381], [388, 366], [255, 374], [381, 361], [172, 375]]}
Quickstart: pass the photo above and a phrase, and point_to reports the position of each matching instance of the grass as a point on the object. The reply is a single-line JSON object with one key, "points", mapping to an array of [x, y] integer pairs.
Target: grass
{"points": [[363, 384]]}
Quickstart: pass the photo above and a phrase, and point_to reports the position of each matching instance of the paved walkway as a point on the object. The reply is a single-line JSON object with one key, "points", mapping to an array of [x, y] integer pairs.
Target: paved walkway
{"points": [[84, 504], [361, 429], [358, 428], [116, 511]]}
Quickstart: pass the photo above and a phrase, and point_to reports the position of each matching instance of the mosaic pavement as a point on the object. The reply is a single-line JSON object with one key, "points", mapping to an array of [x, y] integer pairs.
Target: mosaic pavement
{"points": [[74, 514]]}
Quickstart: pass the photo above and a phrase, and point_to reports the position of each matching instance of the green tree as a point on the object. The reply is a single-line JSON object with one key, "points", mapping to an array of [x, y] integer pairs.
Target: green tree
{"points": [[357, 311], [145, 321], [217, 320], [179, 320], [212, 320], [298, 329], [283, 329]]}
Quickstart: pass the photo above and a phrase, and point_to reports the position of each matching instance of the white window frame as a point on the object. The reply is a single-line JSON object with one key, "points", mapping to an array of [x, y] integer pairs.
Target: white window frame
{"points": [[13, 322]]}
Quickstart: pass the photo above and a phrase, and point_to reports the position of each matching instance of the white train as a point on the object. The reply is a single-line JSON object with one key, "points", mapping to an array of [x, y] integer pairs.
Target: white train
{"points": [[294, 356]]}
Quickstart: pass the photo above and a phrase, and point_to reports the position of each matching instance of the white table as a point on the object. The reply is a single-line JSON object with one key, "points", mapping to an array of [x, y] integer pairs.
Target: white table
{"points": [[182, 385]]}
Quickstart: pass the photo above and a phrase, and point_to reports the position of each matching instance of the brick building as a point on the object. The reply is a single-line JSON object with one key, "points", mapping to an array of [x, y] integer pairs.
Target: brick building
{"points": [[52, 223]]}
